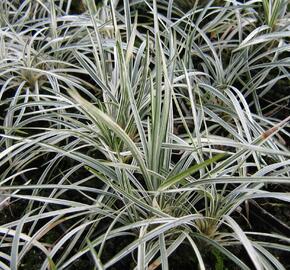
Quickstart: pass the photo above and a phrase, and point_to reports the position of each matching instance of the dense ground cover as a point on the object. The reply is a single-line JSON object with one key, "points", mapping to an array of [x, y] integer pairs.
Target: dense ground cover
{"points": [[144, 134]]}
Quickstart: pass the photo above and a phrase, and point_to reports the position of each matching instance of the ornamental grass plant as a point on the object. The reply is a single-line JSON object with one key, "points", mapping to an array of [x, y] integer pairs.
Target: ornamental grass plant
{"points": [[138, 134]]}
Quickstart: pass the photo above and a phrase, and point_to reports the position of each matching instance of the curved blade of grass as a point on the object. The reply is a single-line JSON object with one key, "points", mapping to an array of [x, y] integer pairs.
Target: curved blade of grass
{"points": [[179, 177], [246, 242]]}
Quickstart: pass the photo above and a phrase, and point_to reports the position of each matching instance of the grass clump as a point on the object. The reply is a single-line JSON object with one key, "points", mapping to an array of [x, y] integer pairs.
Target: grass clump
{"points": [[130, 137]]}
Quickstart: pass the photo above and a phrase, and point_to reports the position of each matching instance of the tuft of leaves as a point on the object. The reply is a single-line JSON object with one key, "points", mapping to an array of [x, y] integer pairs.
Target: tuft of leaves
{"points": [[131, 136]]}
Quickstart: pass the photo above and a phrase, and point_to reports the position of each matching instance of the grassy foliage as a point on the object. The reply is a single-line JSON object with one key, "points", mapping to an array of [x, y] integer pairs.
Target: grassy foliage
{"points": [[127, 135]]}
